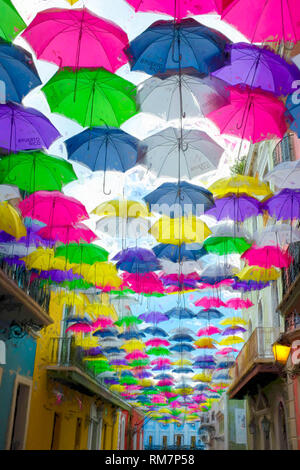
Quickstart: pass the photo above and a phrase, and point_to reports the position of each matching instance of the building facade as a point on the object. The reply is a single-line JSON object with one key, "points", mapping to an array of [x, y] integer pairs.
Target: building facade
{"points": [[160, 436]]}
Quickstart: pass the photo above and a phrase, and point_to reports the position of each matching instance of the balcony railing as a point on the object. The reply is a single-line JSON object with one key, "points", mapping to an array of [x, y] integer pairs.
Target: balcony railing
{"points": [[292, 322], [284, 150], [290, 274], [174, 447], [257, 349]]}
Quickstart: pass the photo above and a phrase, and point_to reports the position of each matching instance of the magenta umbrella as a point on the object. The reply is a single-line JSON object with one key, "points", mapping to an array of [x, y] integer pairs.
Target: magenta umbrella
{"points": [[68, 233], [53, 208], [77, 38], [267, 257], [209, 302], [253, 115], [237, 303], [178, 8], [265, 20]]}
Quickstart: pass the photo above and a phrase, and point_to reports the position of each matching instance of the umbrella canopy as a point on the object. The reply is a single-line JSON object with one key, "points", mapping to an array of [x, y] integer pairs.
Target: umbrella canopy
{"points": [[178, 253], [76, 38], [237, 208], [53, 208], [180, 9], [11, 222], [153, 317], [79, 253], [9, 192], [267, 257], [161, 96], [155, 331], [256, 273], [238, 303], [239, 185], [216, 273], [180, 230], [25, 128], [121, 208], [285, 205], [180, 313], [226, 245], [137, 260], [285, 175], [210, 314], [209, 302], [230, 340], [198, 154], [11, 22], [268, 21], [252, 115], [258, 68], [91, 97], [68, 233], [208, 331], [104, 148], [232, 330], [36, 171], [164, 44], [278, 235]]}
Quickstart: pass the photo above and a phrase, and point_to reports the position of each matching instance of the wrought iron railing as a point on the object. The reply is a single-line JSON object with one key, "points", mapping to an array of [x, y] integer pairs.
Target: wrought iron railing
{"points": [[284, 150], [290, 274], [292, 322], [174, 447], [258, 347]]}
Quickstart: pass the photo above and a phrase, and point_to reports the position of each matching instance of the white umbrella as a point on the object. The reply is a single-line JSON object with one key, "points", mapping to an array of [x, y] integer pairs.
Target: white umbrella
{"points": [[279, 234], [200, 96], [8, 192], [183, 331], [16, 249], [220, 270], [198, 153], [285, 175], [120, 227], [229, 229], [186, 267]]}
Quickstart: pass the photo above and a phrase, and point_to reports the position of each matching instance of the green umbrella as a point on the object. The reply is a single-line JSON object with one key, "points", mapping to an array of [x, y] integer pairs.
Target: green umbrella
{"points": [[127, 380], [139, 362], [36, 171], [11, 23], [158, 351], [129, 320], [98, 366], [226, 245], [101, 97], [79, 253]]}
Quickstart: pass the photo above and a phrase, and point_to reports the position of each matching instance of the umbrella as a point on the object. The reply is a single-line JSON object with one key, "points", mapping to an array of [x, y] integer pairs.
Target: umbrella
{"points": [[198, 154], [17, 71], [216, 273], [179, 269], [164, 44], [232, 330], [157, 342], [180, 313], [36, 171], [16, 249], [155, 331], [126, 209], [144, 283], [230, 340], [161, 96], [101, 274], [130, 228], [68, 233], [266, 21], [103, 148], [258, 68], [238, 303], [181, 337], [137, 260], [255, 273], [208, 331], [10, 221], [154, 317], [233, 321], [128, 321], [178, 253], [278, 234], [101, 97], [76, 38], [131, 334], [251, 115], [237, 208], [180, 230], [210, 314], [25, 128], [136, 355], [226, 245], [11, 22], [209, 302], [44, 260], [225, 351], [78, 253], [80, 327], [246, 286], [205, 343], [284, 205], [267, 256], [285, 175], [180, 9], [240, 185], [53, 208], [158, 351], [9, 192], [106, 332]]}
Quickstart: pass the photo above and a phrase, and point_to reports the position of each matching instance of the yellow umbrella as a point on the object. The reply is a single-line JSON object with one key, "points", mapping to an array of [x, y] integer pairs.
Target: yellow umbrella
{"points": [[256, 273], [233, 321], [185, 391], [180, 230], [122, 208], [100, 274], [117, 388], [146, 383], [203, 377], [10, 221], [133, 344], [182, 362], [86, 342], [231, 340], [70, 298], [100, 310], [205, 342], [72, 2], [43, 260], [240, 184]]}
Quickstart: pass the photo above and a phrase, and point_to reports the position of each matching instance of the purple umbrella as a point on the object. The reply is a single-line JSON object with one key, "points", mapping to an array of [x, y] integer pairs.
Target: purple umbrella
{"points": [[153, 317], [231, 330], [284, 205], [93, 351], [6, 238], [14, 261], [162, 367], [59, 276], [119, 362], [208, 358], [258, 68], [137, 260], [32, 238], [143, 374], [247, 286], [237, 208], [111, 381], [25, 128]]}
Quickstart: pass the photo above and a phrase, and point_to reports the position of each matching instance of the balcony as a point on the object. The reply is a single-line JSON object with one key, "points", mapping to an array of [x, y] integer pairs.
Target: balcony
{"points": [[65, 364], [284, 150], [291, 282], [254, 364]]}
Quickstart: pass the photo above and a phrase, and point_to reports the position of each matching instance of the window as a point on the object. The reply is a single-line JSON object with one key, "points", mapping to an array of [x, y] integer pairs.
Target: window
{"points": [[165, 442], [260, 314], [283, 444], [56, 431], [150, 441], [193, 442], [78, 434]]}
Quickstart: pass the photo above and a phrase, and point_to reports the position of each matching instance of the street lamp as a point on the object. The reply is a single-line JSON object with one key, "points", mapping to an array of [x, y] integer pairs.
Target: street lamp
{"points": [[281, 353], [266, 424], [252, 426]]}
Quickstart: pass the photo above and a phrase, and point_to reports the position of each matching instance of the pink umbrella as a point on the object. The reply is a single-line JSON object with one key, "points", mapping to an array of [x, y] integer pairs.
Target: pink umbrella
{"points": [[267, 257], [178, 9], [160, 362], [132, 387], [68, 233], [77, 38], [253, 115], [170, 395], [102, 322], [237, 303], [136, 354], [158, 398], [175, 404], [225, 351], [53, 208], [157, 342], [224, 283], [265, 21], [165, 382], [209, 302], [79, 328], [210, 330], [146, 283]]}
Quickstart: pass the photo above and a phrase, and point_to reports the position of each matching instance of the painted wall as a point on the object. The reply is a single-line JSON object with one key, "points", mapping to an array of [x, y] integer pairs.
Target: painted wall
{"points": [[20, 356], [159, 430]]}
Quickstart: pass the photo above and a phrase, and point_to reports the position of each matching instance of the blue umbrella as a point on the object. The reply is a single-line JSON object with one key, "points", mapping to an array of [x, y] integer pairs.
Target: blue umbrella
{"points": [[181, 337], [181, 195], [204, 365], [106, 332], [110, 350], [210, 314], [137, 260], [201, 387], [104, 148], [208, 358], [182, 347], [182, 370], [164, 44], [164, 367], [131, 334], [17, 71], [180, 313], [155, 331], [183, 252]]}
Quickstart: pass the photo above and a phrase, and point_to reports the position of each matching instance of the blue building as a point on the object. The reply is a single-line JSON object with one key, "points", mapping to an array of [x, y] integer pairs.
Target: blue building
{"points": [[160, 436]]}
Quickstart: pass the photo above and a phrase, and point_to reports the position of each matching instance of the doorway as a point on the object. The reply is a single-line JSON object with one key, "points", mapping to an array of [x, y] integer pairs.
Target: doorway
{"points": [[78, 434], [178, 440], [56, 431], [19, 414]]}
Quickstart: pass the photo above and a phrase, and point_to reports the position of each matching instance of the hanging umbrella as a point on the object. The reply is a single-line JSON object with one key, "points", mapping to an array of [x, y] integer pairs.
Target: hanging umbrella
{"points": [[126, 209], [16, 249], [285, 175], [17, 71], [181, 337], [137, 260], [237, 208], [128, 321], [184, 268], [144, 283], [161, 361], [233, 321], [80, 327], [216, 273], [238, 303], [9, 192], [101, 274], [258, 68], [176, 253], [230, 340], [226, 245], [210, 314], [251, 115], [76, 38], [278, 235], [102, 322], [68, 233], [100, 97], [246, 286], [267, 256], [232, 330], [255, 273], [11, 24], [266, 21], [178, 9], [164, 44], [53, 208], [180, 313], [183, 330], [25, 128], [284, 205], [44, 260], [155, 331], [154, 317], [159, 351], [36, 171], [157, 342], [205, 343], [225, 351], [78, 253], [11, 222], [208, 331], [180, 230], [209, 302], [131, 334], [240, 185], [197, 155], [117, 227], [162, 96]]}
